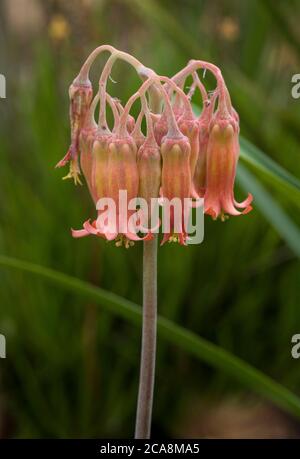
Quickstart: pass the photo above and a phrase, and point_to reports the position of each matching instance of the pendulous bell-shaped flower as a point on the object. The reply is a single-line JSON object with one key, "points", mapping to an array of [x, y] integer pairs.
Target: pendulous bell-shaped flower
{"points": [[176, 183], [222, 158]]}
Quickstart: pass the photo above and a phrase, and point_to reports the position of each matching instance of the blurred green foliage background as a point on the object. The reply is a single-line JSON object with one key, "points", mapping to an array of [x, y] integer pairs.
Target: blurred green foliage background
{"points": [[71, 368]]}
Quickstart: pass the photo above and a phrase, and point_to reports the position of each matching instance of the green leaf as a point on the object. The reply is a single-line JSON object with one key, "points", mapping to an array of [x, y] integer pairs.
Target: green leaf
{"points": [[270, 209], [200, 348]]}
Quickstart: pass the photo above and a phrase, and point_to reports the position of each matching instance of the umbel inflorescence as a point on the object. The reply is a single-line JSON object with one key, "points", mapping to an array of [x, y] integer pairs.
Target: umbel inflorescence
{"points": [[178, 156]]}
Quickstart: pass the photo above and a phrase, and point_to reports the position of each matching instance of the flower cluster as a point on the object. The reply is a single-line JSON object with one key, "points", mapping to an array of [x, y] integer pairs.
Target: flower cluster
{"points": [[180, 155]]}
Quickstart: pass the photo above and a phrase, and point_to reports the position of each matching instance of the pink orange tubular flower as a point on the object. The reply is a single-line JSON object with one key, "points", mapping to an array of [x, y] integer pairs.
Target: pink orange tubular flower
{"points": [[176, 182], [222, 158]]}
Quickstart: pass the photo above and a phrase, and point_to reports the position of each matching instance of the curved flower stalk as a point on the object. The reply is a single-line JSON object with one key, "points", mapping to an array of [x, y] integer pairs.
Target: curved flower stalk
{"points": [[177, 158]]}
